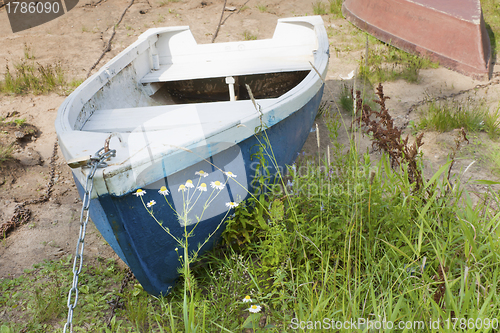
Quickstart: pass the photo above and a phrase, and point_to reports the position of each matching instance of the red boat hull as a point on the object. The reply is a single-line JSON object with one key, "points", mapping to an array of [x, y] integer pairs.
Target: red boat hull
{"points": [[452, 32]]}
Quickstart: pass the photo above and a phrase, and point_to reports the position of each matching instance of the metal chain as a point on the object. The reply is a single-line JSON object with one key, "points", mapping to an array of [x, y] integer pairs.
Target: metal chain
{"points": [[97, 161], [116, 302], [494, 81], [21, 212]]}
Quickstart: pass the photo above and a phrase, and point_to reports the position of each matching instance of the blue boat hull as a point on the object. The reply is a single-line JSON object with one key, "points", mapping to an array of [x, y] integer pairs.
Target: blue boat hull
{"points": [[146, 248]]}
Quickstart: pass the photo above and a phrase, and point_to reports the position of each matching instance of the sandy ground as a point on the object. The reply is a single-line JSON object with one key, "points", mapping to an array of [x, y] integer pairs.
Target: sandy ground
{"points": [[77, 39]]}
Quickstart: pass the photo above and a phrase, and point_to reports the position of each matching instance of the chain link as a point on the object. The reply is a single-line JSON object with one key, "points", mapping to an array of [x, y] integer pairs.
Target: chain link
{"points": [[97, 161], [494, 81], [116, 302], [21, 212]]}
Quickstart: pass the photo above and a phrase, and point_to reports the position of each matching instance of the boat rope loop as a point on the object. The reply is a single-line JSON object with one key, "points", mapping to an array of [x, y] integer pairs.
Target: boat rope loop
{"points": [[97, 161]]}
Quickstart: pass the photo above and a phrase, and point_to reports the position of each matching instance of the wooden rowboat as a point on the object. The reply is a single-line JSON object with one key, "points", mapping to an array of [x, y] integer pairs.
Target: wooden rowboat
{"points": [[452, 32], [180, 108]]}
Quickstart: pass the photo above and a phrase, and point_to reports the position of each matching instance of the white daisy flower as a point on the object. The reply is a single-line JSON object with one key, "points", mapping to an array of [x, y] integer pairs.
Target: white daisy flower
{"points": [[163, 191], [189, 183], [139, 193], [230, 174], [231, 204], [201, 173], [151, 203], [181, 188], [247, 299], [217, 184], [202, 187], [255, 308]]}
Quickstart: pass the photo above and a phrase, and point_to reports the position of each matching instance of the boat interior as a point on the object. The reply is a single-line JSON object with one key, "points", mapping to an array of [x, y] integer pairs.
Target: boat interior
{"points": [[137, 107], [270, 85]]}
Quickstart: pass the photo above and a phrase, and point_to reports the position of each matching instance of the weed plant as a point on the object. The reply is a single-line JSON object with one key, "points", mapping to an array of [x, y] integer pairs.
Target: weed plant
{"points": [[247, 35], [29, 76], [5, 153], [346, 100], [319, 8], [388, 63], [471, 114], [491, 11], [262, 8], [36, 301], [335, 7]]}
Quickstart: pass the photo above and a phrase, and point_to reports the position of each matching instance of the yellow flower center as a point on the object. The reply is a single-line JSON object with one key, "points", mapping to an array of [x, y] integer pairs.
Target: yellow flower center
{"points": [[139, 191], [217, 183], [229, 173], [163, 188], [189, 181], [254, 307], [202, 172], [182, 187], [247, 297], [203, 185]]}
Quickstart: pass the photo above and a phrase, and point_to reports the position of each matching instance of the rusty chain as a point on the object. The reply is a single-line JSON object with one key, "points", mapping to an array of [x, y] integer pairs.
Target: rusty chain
{"points": [[21, 213], [494, 81], [115, 304]]}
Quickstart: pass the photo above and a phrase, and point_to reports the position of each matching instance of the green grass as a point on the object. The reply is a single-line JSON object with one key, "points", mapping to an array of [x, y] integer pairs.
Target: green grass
{"points": [[388, 63], [5, 153], [491, 13], [36, 301], [29, 76], [341, 237], [319, 8], [262, 8], [336, 8], [345, 100], [493, 159], [247, 35], [492, 124], [32, 77], [471, 114]]}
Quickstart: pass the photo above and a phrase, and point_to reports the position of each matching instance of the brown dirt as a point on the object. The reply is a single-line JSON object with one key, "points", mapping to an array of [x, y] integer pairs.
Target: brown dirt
{"points": [[77, 39]]}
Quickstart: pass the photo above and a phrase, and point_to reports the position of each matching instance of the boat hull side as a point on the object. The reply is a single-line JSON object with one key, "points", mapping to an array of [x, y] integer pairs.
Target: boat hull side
{"points": [[148, 250], [461, 44]]}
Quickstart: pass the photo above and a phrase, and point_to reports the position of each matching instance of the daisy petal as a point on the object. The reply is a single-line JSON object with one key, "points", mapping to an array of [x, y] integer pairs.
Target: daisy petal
{"points": [[163, 191], [201, 173], [217, 184], [139, 193], [231, 204], [255, 308]]}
